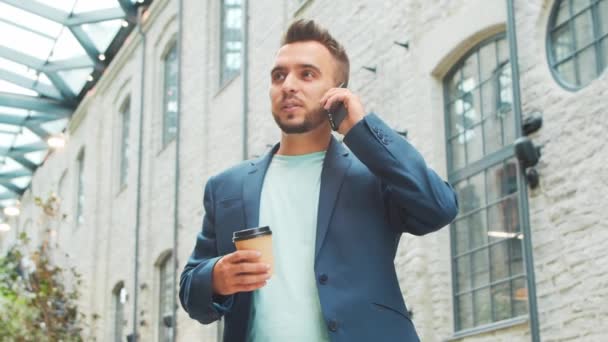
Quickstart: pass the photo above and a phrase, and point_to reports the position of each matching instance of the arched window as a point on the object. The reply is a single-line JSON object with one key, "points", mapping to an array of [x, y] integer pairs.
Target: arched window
{"points": [[577, 42], [119, 299], [230, 40], [489, 282], [170, 88], [165, 299], [125, 123]]}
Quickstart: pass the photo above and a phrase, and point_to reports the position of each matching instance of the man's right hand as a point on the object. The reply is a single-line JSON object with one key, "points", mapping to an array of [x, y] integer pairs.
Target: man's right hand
{"points": [[240, 271]]}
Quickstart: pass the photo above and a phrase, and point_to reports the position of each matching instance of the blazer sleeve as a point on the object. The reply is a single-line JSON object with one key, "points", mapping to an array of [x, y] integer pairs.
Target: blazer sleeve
{"points": [[195, 286], [418, 201]]}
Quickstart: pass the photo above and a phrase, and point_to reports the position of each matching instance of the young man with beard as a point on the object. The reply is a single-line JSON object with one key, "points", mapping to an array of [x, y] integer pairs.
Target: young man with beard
{"points": [[336, 215]]}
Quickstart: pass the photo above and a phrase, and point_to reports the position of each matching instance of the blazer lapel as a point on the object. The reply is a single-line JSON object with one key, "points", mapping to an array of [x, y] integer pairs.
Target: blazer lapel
{"points": [[335, 165], [252, 188]]}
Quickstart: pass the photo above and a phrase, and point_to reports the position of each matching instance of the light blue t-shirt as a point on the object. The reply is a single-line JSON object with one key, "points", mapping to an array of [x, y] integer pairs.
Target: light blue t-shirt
{"points": [[288, 308]]}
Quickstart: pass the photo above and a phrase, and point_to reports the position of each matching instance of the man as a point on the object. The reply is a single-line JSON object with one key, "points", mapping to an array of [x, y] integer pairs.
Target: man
{"points": [[336, 215]]}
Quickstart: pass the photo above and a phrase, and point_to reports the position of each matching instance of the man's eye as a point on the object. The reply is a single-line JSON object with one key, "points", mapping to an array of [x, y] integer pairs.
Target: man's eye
{"points": [[307, 74], [277, 76]]}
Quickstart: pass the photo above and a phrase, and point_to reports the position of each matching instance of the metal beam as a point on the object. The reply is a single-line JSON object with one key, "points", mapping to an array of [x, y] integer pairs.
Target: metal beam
{"points": [[25, 162], [48, 68], [49, 106], [66, 64], [61, 86], [86, 42], [128, 7], [94, 16], [28, 83], [21, 58], [13, 188], [14, 120], [15, 174], [7, 195], [34, 147]]}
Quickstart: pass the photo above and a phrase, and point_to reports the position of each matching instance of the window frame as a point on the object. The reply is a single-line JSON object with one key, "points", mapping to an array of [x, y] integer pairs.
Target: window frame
{"points": [[79, 217], [164, 270], [503, 155], [225, 77], [116, 303], [125, 116], [166, 137], [601, 61]]}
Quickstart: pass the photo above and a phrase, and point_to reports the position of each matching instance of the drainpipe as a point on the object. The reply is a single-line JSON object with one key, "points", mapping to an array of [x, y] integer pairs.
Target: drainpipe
{"points": [[140, 10], [245, 78], [527, 240], [177, 163]]}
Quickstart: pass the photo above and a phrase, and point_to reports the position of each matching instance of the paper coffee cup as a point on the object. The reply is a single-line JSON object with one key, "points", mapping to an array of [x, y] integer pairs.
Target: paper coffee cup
{"points": [[259, 239]]}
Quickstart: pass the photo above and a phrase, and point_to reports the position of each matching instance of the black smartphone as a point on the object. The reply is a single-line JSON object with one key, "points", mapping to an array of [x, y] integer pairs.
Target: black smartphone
{"points": [[337, 113]]}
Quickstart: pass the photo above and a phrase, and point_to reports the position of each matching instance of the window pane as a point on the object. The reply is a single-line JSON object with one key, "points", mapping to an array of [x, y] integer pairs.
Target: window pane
{"points": [[470, 73], [501, 298], [563, 12], [474, 143], [489, 97], [605, 49], [516, 255], [476, 225], [454, 86], [463, 273], [579, 5], [465, 311], [583, 28], [456, 117], [460, 230], [80, 193], [487, 57], [520, 297], [471, 194], [500, 255], [567, 73], [231, 40], [170, 96], [483, 306], [124, 160], [502, 180], [587, 65], [603, 14], [562, 43], [457, 152], [503, 220], [481, 268]]}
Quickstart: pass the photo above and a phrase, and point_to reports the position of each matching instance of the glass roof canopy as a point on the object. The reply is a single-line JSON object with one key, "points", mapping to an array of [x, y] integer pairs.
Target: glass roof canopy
{"points": [[51, 52]]}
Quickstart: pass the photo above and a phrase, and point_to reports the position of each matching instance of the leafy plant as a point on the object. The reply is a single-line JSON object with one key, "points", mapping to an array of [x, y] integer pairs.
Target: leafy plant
{"points": [[35, 303]]}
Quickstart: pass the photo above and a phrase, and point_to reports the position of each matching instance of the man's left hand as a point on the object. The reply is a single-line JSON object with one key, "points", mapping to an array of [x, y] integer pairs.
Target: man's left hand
{"points": [[351, 102]]}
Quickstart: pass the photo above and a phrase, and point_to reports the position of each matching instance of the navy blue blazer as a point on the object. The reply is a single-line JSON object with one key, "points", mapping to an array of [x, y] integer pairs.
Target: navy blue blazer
{"points": [[368, 198]]}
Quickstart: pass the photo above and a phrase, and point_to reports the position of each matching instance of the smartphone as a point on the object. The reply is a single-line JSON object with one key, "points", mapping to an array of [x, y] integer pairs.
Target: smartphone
{"points": [[337, 113]]}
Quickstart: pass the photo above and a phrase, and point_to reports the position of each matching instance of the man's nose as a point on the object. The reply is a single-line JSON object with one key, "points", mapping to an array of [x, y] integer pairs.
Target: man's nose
{"points": [[289, 84]]}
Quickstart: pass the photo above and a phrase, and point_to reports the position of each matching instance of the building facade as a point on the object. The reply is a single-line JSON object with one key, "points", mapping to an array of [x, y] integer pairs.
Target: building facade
{"points": [[173, 100]]}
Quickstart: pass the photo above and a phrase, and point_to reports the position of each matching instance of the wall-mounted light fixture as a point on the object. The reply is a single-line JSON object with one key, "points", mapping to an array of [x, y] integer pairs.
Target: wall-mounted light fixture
{"points": [[405, 44], [57, 141], [532, 123], [4, 227], [528, 155], [370, 68]]}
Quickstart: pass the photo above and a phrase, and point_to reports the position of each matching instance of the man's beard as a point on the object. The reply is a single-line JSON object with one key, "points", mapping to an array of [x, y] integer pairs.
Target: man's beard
{"points": [[312, 120]]}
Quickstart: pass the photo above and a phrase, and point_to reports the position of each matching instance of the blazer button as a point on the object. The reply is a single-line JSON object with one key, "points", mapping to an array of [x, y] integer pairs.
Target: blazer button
{"points": [[332, 325], [323, 279]]}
